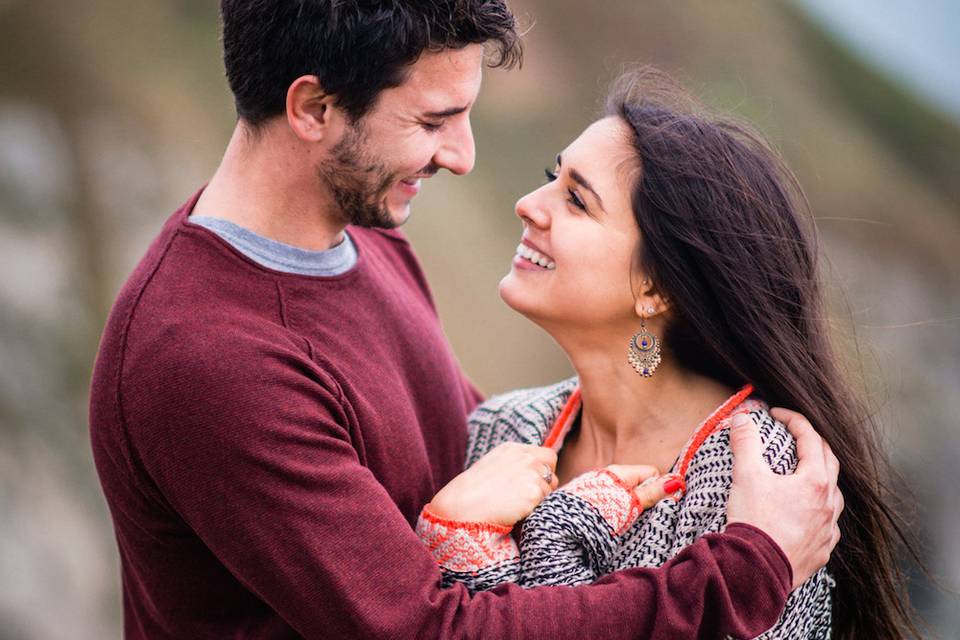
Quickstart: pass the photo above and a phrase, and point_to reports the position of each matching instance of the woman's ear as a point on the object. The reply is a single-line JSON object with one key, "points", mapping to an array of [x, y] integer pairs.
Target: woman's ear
{"points": [[312, 114], [649, 302]]}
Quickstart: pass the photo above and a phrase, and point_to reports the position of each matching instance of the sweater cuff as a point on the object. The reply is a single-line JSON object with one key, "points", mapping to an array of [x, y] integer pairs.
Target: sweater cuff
{"points": [[771, 551], [603, 490], [465, 547]]}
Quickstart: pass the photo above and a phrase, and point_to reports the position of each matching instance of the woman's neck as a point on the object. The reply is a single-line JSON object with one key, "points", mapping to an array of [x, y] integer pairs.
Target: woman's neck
{"points": [[628, 419]]}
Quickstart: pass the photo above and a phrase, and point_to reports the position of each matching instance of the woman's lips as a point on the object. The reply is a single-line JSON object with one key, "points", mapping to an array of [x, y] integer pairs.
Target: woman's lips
{"points": [[529, 258]]}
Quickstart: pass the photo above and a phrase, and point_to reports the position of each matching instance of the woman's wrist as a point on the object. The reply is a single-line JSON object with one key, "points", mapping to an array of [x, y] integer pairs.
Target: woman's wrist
{"points": [[439, 517]]}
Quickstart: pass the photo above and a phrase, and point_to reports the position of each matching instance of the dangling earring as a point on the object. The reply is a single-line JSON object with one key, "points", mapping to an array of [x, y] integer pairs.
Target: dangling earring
{"points": [[644, 351]]}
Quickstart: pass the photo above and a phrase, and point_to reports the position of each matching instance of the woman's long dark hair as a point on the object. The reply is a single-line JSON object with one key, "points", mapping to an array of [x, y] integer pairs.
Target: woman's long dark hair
{"points": [[727, 239]]}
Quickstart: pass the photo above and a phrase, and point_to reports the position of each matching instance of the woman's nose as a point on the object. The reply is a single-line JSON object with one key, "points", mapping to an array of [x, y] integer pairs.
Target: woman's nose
{"points": [[530, 209]]}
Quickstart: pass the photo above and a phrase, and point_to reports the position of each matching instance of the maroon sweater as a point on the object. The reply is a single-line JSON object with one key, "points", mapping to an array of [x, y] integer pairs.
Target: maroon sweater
{"points": [[266, 441]]}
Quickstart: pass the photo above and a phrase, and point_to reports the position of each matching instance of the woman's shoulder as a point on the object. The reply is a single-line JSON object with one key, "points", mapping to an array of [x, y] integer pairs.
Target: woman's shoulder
{"points": [[672, 525], [779, 446], [523, 415]]}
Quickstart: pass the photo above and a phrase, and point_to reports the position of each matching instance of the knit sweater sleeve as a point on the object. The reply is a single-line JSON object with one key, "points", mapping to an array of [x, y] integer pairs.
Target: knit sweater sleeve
{"points": [[478, 555], [568, 539]]}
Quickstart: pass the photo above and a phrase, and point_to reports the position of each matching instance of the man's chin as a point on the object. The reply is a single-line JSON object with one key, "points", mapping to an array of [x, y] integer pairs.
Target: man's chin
{"points": [[397, 215], [400, 217]]}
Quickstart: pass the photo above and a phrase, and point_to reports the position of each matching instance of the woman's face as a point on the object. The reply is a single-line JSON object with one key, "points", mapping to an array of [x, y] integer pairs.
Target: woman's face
{"points": [[581, 226]]}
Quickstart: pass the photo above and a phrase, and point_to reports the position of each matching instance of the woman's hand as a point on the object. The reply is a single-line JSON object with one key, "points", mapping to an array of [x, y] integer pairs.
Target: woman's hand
{"points": [[502, 487], [647, 484]]}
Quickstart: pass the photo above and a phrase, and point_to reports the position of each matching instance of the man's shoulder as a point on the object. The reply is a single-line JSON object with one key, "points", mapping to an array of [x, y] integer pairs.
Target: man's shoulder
{"points": [[389, 240], [522, 415], [395, 235], [188, 313]]}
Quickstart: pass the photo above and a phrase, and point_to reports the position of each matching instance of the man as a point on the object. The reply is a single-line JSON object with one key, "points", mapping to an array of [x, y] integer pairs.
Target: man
{"points": [[274, 401]]}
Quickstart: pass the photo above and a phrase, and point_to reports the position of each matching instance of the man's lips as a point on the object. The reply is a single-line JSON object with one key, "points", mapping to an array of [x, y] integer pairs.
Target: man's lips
{"points": [[409, 187]]}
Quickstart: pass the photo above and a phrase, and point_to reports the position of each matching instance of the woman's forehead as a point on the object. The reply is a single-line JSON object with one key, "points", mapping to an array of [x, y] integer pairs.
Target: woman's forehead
{"points": [[604, 155]]}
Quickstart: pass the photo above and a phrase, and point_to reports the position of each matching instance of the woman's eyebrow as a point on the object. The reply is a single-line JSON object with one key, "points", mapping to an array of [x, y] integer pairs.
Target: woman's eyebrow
{"points": [[583, 182]]}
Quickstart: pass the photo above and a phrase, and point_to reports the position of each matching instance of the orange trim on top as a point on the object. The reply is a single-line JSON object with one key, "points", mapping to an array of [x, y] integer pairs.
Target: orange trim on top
{"points": [[472, 527], [709, 426], [562, 423]]}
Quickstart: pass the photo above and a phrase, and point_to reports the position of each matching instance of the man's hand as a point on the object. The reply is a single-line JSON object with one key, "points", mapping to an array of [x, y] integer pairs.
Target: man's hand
{"points": [[798, 511]]}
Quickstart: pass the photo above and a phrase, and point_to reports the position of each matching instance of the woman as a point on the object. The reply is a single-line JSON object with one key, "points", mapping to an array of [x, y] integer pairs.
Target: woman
{"points": [[670, 257]]}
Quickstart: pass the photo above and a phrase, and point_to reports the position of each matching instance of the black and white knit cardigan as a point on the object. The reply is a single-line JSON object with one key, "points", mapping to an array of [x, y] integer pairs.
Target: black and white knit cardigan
{"points": [[593, 525]]}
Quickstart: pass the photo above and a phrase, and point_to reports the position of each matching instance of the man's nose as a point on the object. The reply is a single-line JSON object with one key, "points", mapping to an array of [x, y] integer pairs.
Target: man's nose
{"points": [[458, 152]]}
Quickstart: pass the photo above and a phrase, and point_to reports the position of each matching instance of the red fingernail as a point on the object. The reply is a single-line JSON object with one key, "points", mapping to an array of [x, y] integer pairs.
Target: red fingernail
{"points": [[672, 485]]}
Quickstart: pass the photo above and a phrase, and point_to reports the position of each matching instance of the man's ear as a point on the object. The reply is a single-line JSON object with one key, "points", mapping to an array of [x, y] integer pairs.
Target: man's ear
{"points": [[313, 114]]}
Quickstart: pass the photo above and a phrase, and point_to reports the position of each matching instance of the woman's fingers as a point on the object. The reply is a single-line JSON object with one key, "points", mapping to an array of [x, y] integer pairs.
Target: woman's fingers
{"points": [[547, 478], [649, 486], [653, 490], [633, 474], [543, 455]]}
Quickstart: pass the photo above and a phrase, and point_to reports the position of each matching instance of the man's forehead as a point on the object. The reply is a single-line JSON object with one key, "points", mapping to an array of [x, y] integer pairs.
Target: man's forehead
{"points": [[443, 81]]}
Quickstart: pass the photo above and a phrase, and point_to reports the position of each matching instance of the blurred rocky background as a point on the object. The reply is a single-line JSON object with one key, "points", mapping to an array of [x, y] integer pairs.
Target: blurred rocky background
{"points": [[112, 113]]}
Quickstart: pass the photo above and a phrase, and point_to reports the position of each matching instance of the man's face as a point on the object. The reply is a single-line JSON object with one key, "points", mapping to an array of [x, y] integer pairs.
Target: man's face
{"points": [[412, 132]]}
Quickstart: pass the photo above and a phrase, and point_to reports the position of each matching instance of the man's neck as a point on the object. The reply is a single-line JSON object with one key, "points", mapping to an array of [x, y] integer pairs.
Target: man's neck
{"points": [[263, 186]]}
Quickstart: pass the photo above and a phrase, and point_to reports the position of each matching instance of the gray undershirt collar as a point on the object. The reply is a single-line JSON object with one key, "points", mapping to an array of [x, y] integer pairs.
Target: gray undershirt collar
{"points": [[279, 256]]}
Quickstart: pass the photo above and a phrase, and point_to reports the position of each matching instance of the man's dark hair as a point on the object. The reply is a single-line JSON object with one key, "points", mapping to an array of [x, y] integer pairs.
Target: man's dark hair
{"points": [[357, 48]]}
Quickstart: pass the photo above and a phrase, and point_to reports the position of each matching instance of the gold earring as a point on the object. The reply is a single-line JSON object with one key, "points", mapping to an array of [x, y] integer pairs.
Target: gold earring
{"points": [[643, 353]]}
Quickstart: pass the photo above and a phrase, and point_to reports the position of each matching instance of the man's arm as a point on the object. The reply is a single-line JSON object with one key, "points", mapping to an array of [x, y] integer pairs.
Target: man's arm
{"points": [[800, 511], [258, 462]]}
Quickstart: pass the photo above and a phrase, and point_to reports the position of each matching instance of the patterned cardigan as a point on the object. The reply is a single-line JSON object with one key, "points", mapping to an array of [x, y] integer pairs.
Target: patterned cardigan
{"points": [[594, 525]]}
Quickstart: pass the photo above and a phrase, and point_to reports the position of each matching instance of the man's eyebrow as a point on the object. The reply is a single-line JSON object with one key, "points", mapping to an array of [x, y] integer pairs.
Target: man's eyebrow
{"points": [[583, 182], [452, 111]]}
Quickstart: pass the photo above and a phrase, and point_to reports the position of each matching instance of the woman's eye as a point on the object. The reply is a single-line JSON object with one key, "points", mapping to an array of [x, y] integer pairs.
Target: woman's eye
{"points": [[575, 200]]}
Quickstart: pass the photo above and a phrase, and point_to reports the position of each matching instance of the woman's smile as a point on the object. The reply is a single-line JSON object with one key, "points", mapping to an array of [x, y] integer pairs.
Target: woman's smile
{"points": [[532, 260]]}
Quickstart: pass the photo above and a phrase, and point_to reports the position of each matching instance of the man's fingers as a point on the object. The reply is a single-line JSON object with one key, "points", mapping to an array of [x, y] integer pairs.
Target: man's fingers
{"points": [[809, 443], [831, 462], [838, 504], [746, 446], [633, 474]]}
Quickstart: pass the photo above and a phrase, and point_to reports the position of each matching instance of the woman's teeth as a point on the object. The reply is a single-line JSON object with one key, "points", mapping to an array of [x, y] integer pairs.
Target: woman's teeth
{"points": [[535, 257]]}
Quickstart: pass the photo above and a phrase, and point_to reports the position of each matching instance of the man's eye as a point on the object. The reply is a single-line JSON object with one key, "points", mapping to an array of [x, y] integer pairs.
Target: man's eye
{"points": [[432, 126], [551, 176]]}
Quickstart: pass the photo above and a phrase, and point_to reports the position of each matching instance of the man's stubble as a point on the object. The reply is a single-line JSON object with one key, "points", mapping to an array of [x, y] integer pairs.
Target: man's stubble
{"points": [[358, 183]]}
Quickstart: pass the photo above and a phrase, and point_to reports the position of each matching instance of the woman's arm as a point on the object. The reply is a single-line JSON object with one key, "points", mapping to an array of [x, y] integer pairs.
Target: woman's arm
{"points": [[566, 539], [571, 537]]}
